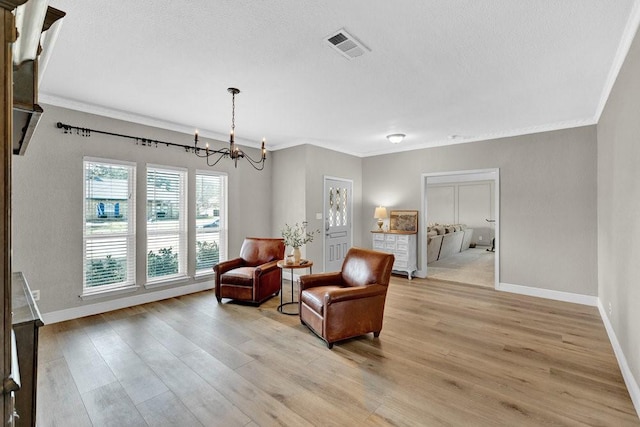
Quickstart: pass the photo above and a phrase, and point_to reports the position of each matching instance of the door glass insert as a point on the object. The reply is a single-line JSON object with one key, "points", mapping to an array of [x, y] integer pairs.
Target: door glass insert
{"points": [[338, 207]]}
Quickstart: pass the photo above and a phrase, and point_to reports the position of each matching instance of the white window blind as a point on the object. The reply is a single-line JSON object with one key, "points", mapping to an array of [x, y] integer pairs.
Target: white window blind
{"points": [[109, 225], [166, 223], [210, 220]]}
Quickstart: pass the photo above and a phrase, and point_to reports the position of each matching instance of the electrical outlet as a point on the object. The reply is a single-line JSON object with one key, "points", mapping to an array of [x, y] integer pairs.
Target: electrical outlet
{"points": [[318, 215], [479, 237], [36, 295], [610, 309]]}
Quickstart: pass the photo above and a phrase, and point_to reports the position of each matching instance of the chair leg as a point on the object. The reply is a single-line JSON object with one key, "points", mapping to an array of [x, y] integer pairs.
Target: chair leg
{"points": [[329, 345], [376, 334], [219, 299]]}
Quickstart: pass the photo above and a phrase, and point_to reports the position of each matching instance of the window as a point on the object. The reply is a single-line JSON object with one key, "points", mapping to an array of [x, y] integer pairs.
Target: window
{"points": [[109, 225], [166, 223], [210, 220]]}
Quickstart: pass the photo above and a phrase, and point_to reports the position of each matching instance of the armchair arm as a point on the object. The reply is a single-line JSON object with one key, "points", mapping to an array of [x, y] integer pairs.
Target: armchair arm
{"points": [[266, 268], [225, 266], [355, 292], [321, 279]]}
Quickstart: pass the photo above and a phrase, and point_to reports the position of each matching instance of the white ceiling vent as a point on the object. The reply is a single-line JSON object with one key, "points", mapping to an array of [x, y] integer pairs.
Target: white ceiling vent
{"points": [[347, 45]]}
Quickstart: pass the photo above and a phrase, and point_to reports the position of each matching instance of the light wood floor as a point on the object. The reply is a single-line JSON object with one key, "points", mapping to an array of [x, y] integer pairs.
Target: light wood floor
{"points": [[448, 354]]}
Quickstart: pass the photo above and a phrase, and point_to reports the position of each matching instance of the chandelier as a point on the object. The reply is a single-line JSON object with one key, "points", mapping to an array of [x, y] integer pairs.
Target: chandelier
{"points": [[233, 152]]}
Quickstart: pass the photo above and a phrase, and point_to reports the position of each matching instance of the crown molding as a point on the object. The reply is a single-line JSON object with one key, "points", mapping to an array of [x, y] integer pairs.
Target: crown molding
{"points": [[628, 35], [84, 107], [397, 148], [72, 104]]}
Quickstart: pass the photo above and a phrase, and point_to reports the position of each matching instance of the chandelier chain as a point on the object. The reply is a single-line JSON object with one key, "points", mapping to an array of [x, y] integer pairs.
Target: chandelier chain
{"points": [[233, 111]]}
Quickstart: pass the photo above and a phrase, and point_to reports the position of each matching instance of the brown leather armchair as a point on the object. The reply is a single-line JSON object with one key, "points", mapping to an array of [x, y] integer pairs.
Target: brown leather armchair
{"points": [[254, 276], [347, 303]]}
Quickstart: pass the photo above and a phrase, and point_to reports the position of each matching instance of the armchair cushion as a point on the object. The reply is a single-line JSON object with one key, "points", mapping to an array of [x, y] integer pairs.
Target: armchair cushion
{"points": [[315, 297], [241, 276], [351, 293], [225, 266]]}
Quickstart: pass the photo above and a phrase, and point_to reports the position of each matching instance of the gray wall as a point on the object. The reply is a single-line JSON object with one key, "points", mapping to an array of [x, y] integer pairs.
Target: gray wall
{"points": [[48, 199], [548, 198], [298, 181], [547, 206], [320, 163], [619, 208], [289, 188]]}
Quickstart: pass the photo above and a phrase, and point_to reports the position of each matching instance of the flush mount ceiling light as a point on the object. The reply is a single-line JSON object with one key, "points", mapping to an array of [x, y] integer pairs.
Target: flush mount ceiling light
{"points": [[396, 138]]}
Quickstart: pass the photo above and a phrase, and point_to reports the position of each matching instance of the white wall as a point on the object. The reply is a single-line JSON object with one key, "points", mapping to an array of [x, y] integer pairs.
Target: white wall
{"points": [[441, 204], [547, 206], [619, 216], [48, 200], [470, 203]]}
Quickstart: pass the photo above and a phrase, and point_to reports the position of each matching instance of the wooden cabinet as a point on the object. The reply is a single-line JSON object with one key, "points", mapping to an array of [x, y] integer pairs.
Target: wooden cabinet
{"points": [[403, 246], [26, 321]]}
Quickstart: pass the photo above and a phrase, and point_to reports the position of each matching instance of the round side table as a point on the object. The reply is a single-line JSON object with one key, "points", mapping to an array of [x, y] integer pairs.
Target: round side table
{"points": [[282, 264]]}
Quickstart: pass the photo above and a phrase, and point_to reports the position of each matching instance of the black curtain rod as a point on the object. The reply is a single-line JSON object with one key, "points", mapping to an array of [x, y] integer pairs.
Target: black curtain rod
{"points": [[86, 132]]}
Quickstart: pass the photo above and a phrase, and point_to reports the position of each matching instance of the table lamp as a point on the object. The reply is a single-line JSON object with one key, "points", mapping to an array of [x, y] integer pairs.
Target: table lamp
{"points": [[380, 214]]}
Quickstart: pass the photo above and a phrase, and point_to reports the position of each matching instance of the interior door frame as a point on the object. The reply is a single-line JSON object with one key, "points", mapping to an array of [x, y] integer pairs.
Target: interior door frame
{"points": [[324, 213], [422, 235]]}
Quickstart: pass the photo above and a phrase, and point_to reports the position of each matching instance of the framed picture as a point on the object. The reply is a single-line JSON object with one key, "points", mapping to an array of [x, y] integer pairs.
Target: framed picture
{"points": [[405, 221]]}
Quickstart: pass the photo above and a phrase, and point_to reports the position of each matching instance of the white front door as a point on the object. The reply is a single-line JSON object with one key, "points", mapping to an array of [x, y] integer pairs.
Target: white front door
{"points": [[337, 221]]}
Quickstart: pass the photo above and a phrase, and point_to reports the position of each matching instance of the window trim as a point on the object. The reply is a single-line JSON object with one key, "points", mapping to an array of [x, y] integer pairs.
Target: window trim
{"points": [[130, 285], [224, 229], [183, 233], [106, 292]]}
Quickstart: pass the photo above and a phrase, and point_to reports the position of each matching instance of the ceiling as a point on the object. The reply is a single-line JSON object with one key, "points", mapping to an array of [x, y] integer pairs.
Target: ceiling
{"points": [[441, 72]]}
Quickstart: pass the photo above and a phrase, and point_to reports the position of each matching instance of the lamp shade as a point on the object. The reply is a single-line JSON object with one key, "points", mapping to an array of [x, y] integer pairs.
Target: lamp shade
{"points": [[380, 212]]}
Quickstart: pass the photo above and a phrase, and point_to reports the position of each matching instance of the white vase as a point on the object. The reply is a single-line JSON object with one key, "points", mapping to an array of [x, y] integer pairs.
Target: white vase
{"points": [[296, 255]]}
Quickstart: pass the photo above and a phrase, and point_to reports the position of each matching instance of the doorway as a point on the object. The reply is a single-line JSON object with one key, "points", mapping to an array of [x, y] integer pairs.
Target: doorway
{"points": [[338, 221], [468, 250]]}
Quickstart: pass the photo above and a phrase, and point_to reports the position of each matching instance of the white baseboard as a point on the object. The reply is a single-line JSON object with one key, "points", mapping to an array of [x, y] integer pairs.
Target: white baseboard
{"points": [[116, 304], [549, 294], [630, 381]]}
